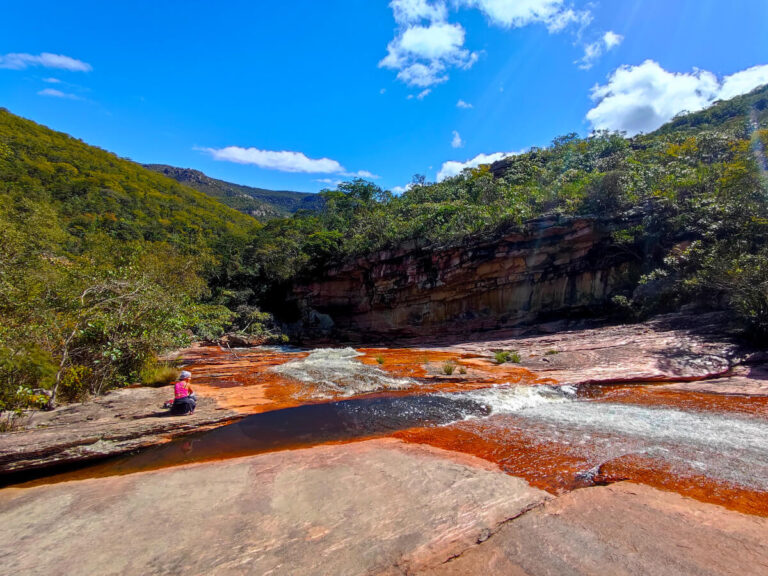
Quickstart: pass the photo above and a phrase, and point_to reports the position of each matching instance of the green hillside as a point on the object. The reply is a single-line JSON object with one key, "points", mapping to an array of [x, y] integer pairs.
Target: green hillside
{"points": [[103, 263], [257, 202]]}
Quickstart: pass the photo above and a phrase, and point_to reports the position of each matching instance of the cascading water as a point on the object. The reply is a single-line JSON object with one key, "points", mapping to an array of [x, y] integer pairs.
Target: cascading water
{"points": [[729, 447], [335, 372]]}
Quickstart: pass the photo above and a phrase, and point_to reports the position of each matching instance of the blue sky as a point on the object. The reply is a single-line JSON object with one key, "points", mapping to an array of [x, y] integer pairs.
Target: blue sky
{"points": [[299, 95]]}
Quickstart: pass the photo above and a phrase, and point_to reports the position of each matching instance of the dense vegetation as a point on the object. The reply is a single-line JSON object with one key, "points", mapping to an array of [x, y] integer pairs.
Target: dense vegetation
{"points": [[260, 203], [693, 197], [104, 264]]}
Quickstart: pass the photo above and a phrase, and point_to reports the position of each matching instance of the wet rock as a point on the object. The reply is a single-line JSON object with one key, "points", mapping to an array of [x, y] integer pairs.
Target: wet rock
{"points": [[626, 529], [349, 509], [121, 421]]}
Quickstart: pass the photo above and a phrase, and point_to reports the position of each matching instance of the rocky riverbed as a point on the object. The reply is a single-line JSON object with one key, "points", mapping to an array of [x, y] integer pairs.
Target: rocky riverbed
{"points": [[636, 449]]}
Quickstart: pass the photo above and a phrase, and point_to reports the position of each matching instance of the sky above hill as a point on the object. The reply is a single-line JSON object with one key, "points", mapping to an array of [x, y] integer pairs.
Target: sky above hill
{"points": [[302, 94]]}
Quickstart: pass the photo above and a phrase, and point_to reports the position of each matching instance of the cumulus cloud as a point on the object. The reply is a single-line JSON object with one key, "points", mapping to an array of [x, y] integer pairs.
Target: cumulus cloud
{"points": [[519, 13], [401, 189], [462, 104], [284, 161], [414, 11], [58, 94], [611, 39], [454, 168], [594, 50], [423, 53], [743, 82], [427, 45], [457, 142], [642, 98], [17, 61]]}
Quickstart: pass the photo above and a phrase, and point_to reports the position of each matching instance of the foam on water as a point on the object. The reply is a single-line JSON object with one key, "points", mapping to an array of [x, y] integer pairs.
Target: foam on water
{"points": [[333, 372], [727, 446]]}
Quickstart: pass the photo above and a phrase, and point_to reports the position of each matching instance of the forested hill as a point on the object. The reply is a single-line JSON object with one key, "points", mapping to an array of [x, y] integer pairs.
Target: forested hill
{"points": [[257, 202], [103, 264], [90, 190]]}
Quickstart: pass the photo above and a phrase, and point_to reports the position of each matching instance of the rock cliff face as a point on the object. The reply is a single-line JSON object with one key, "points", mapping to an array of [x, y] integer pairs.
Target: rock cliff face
{"points": [[553, 267]]}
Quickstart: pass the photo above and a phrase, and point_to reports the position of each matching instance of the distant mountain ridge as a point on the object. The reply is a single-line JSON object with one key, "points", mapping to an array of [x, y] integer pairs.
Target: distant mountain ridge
{"points": [[260, 203]]}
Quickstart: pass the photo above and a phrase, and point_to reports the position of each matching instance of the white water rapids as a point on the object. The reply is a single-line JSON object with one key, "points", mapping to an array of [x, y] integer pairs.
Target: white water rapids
{"points": [[337, 371], [727, 446], [720, 445]]}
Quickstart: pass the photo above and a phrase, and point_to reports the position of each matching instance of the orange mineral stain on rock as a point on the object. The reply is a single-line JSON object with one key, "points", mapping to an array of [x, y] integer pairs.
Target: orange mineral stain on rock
{"points": [[241, 379], [560, 467], [699, 401]]}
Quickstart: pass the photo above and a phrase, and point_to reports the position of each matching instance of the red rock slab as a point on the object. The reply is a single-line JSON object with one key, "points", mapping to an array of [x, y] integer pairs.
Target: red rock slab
{"points": [[623, 529], [742, 381], [671, 348], [351, 509]]}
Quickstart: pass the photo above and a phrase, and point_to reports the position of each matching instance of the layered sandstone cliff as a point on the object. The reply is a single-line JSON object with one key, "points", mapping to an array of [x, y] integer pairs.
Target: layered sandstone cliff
{"points": [[551, 268]]}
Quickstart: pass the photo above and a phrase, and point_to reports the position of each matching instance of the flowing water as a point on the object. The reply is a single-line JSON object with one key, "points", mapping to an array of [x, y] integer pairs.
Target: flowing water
{"points": [[556, 437]]}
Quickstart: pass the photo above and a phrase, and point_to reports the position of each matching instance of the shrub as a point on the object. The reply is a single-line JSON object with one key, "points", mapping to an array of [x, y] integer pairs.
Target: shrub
{"points": [[503, 356], [380, 359], [448, 368], [157, 375]]}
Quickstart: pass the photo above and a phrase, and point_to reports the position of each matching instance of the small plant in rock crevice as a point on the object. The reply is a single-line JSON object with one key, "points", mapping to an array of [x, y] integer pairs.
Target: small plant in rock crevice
{"points": [[504, 356]]}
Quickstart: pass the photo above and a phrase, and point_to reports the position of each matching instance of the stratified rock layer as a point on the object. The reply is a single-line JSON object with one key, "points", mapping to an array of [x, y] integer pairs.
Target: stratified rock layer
{"points": [[350, 509], [551, 267]]}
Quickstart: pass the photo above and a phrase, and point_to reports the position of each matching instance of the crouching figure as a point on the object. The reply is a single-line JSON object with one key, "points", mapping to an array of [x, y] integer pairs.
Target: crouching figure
{"points": [[184, 400]]}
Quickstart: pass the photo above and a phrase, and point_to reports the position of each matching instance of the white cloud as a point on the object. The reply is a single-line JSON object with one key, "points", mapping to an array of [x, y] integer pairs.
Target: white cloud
{"points": [[519, 13], [594, 50], [642, 98], [422, 75], [52, 80], [414, 11], [284, 161], [58, 94], [421, 95], [457, 142], [462, 104], [46, 60], [423, 53], [611, 39], [743, 82], [427, 46], [454, 168], [400, 189]]}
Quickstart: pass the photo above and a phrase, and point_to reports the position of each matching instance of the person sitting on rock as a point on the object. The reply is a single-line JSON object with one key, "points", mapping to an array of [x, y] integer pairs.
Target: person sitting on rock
{"points": [[184, 400]]}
